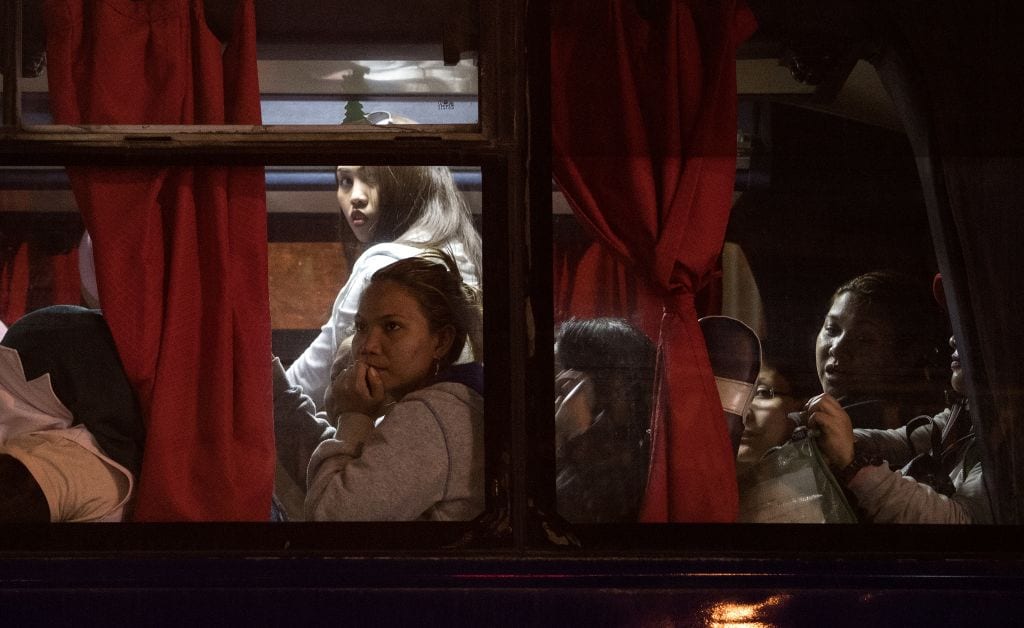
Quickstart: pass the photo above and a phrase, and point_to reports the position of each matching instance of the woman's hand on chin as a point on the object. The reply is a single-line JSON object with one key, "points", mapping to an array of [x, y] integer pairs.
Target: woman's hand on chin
{"points": [[359, 389]]}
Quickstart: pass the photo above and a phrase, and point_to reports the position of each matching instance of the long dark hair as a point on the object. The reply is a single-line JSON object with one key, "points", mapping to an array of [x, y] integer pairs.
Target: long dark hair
{"points": [[419, 205], [620, 360]]}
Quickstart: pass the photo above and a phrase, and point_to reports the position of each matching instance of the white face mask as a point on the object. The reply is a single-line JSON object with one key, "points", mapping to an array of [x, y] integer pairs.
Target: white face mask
{"points": [[27, 406]]}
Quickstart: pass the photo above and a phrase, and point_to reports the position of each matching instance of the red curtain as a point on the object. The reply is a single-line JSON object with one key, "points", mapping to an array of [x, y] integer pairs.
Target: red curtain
{"points": [[597, 284], [31, 278], [620, 291], [643, 114], [180, 252]]}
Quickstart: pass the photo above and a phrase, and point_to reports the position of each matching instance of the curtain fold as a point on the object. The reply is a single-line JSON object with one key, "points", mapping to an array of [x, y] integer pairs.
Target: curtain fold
{"points": [[596, 284], [180, 252], [643, 116], [31, 279]]}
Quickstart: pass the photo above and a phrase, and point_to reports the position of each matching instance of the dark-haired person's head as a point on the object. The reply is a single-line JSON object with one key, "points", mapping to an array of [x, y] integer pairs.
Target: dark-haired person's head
{"points": [[602, 416], [414, 320], [418, 205], [381, 203], [881, 338], [618, 358]]}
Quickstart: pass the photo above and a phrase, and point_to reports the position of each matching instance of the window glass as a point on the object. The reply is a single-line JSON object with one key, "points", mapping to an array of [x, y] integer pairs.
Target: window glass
{"points": [[833, 266], [822, 203], [39, 238], [332, 92], [328, 63], [311, 265], [331, 229]]}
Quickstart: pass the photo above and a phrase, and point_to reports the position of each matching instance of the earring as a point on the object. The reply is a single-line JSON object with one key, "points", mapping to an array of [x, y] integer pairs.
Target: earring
{"points": [[437, 366]]}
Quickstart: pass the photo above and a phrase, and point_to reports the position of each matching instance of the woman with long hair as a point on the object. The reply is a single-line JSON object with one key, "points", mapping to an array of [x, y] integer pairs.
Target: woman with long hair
{"points": [[604, 391], [388, 213]]}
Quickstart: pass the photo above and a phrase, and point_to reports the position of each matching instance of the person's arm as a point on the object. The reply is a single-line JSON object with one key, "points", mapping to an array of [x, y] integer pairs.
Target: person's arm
{"points": [[297, 427], [393, 472], [889, 497], [312, 369], [78, 481], [894, 446], [837, 438], [886, 496]]}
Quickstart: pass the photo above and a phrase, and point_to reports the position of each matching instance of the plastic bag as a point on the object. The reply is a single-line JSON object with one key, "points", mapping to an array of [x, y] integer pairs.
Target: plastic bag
{"points": [[792, 484]]}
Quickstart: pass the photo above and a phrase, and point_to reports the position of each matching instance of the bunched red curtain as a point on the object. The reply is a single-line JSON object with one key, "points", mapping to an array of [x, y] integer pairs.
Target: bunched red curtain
{"points": [[643, 116], [180, 252], [596, 284], [620, 291]]}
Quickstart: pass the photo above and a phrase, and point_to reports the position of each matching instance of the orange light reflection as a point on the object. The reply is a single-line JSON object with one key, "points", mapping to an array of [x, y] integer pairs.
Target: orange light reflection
{"points": [[744, 615]]}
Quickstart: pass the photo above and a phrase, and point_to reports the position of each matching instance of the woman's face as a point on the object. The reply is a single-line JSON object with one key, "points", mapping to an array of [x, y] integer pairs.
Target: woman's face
{"points": [[765, 424], [393, 336], [359, 199], [856, 351]]}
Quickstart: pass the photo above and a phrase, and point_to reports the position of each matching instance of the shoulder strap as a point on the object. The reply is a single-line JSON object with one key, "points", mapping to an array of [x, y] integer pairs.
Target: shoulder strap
{"points": [[918, 422]]}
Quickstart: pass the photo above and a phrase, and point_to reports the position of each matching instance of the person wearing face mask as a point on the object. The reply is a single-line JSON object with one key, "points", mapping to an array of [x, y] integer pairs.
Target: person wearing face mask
{"points": [[604, 391], [878, 348], [941, 476], [387, 213], [402, 437]]}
